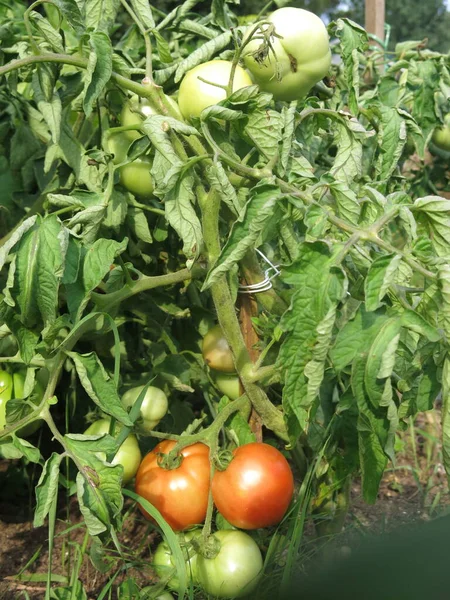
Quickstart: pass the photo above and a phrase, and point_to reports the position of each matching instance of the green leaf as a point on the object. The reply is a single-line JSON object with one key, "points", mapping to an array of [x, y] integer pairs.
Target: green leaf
{"points": [[137, 222], [71, 12], [348, 161], [39, 270], [247, 230], [444, 312], [237, 425], [380, 277], [318, 288], [99, 15], [434, 213], [99, 69], [143, 11], [51, 109], [47, 488], [163, 47], [264, 129], [25, 448], [353, 40], [50, 35], [446, 415], [15, 237], [99, 386], [391, 139], [217, 178], [347, 201]]}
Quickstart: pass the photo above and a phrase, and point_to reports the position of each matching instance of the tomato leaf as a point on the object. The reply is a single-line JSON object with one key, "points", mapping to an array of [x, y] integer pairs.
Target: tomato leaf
{"points": [[47, 488], [99, 69]]}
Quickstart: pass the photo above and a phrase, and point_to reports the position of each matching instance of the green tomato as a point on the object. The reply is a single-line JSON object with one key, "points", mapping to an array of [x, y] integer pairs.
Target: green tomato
{"points": [[163, 560], [163, 596], [297, 60], [117, 144], [228, 384], [216, 351], [235, 570], [153, 408], [137, 110], [136, 177], [12, 386], [441, 135], [128, 455], [196, 95]]}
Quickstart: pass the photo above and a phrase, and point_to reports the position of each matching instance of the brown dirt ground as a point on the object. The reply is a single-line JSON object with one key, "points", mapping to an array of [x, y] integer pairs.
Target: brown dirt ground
{"points": [[415, 490]]}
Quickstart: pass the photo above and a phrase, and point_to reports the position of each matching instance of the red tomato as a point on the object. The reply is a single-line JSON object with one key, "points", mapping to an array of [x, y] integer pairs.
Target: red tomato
{"points": [[256, 488], [181, 494]]}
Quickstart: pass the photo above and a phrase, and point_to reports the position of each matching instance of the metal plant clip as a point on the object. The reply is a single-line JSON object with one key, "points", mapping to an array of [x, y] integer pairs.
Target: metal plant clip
{"points": [[266, 283]]}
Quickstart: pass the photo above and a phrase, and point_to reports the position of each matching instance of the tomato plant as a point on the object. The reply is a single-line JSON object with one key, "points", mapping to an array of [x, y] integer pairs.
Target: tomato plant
{"points": [[235, 569], [256, 487], [216, 351], [179, 492], [298, 58], [128, 455], [309, 223], [205, 84]]}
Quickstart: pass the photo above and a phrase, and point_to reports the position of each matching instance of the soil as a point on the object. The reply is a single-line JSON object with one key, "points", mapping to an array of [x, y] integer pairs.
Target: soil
{"points": [[416, 489]]}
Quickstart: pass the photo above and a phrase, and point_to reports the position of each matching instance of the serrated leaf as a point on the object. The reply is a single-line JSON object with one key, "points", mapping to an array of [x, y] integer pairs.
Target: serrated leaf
{"points": [[220, 112], [444, 312], [71, 12], [218, 179], [99, 386], [348, 161], [347, 201], [99, 15], [288, 115], [47, 488], [99, 69], [380, 277], [260, 209], [163, 47], [49, 34], [391, 139]]}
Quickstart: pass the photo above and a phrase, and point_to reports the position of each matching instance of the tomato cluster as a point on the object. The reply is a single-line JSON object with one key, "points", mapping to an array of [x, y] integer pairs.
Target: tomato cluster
{"points": [[253, 491]]}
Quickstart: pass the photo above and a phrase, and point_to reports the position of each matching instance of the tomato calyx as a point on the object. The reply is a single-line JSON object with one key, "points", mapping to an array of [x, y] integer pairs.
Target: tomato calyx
{"points": [[208, 548], [171, 460], [222, 459]]}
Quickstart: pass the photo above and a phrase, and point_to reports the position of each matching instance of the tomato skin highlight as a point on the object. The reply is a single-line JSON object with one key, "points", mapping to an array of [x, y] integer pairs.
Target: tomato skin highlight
{"points": [[256, 488], [235, 571], [180, 494]]}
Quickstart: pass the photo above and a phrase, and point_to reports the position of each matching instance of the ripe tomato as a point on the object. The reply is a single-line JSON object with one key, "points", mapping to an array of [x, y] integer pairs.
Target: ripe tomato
{"points": [[196, 95], [235, 571], [153, 408], [216, 351], [12, 386], [136, 110], [228, 384], [163, 560], [255, 489], [128, 455], [296, 61], [441, 135], [180, 494], [136, 177]]}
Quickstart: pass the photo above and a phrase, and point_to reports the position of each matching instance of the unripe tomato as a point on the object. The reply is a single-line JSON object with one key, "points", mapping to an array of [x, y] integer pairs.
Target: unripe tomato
{"points": [[137, 110], [128, 455], [153, 408], [181, 493], [117, 144], [228, 384], [12, 386], [441, 135], [163, 559], [296, 61], [255, 489], [216, 351], [235, 570], [136, 177], [196, 95]]}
